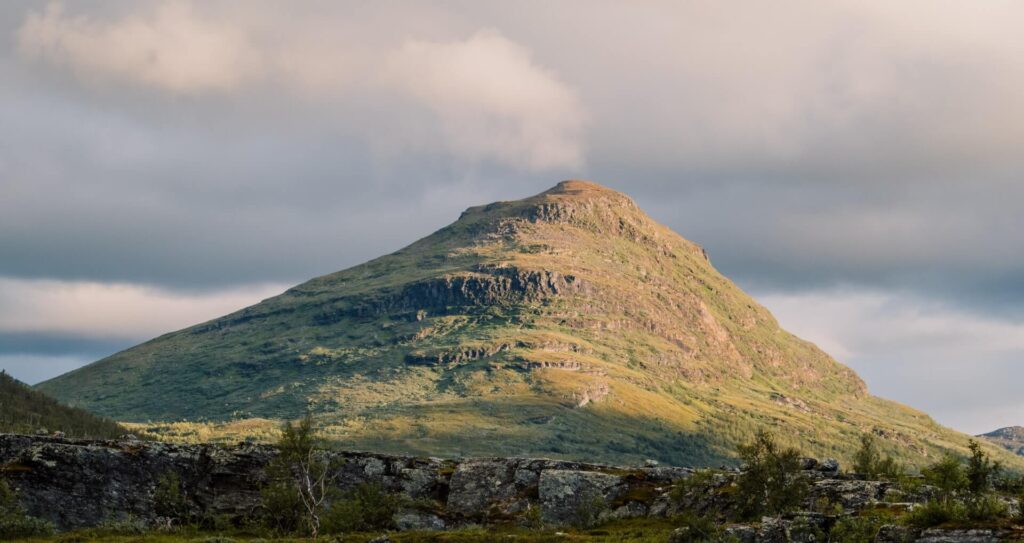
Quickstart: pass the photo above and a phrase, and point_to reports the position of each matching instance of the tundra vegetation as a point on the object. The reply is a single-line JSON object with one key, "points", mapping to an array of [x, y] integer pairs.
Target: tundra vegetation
{"points": [[776, 495]]}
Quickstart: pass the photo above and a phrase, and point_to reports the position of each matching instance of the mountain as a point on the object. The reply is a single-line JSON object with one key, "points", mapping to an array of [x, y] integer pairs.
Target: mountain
{"points": [[568, 324], [1010, 438], [26, 411]]}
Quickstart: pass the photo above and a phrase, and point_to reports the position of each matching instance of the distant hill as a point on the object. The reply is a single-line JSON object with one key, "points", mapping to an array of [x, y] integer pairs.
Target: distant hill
{"points": [[1010, 438], [568, 324], [25, 411]]}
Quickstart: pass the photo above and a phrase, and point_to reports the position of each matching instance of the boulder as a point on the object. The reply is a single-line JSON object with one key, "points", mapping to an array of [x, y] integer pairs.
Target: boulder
{"points": [[576, 497]]}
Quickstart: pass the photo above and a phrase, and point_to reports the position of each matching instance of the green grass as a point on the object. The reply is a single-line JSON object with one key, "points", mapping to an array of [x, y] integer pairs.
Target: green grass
{"points": [[682, 363], [625, 531]]}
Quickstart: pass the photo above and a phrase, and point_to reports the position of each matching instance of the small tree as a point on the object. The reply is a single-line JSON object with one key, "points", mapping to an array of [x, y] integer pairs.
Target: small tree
{"points": [[981, 469], [168, 499], [867, 457], [868, 461], [771, 481], [300, 478], [947, 475]]}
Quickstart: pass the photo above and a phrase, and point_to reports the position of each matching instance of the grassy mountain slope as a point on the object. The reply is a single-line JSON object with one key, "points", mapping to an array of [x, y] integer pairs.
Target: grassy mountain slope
{"points": [[25, 411], [566, 324]]}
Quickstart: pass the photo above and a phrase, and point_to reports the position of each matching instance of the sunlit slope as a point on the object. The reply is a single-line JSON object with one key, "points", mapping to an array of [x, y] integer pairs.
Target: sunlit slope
{"points": [[566, 324]]}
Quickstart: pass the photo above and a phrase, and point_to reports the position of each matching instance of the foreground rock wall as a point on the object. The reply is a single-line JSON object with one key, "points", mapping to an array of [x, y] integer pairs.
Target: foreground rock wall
{"points": [[79, 483]]}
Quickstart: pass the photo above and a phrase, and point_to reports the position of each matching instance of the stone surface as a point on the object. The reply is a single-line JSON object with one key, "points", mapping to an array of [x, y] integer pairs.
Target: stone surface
{"points": [[574, 495], [78, 483]]}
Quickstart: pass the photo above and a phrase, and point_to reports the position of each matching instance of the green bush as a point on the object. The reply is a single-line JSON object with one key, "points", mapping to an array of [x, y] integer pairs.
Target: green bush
{"points": [[282, 511], [935, 513], [366, 507], [168, 499], [771, 482], [986, 508], [982, 471], [856, 529], [697, 529], [947, 475], [291, 507], [15, 522]]}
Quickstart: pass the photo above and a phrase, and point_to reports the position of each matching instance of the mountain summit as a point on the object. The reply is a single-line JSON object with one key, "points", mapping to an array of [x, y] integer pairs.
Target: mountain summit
{"points": [[565, 324]]}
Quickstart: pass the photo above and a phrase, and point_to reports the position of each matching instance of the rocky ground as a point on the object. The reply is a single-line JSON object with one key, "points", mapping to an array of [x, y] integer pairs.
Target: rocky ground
{"points": [[78, 484]]}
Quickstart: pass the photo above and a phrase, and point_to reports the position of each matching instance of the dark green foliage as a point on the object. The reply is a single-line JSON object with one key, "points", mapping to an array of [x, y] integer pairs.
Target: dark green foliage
{"points": [[366, 507], [168, 499], [868, 461], [281, 510], [859, 528], [24, 410], [771, 482], [14, 520], [965, 491], [936, 512], [947, 475], [696, 529], [981, 470], [985, 508]]}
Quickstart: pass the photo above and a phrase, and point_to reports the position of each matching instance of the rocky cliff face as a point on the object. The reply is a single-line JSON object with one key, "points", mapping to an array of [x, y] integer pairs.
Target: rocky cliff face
{"points": [[77, 484], [83, 483]]}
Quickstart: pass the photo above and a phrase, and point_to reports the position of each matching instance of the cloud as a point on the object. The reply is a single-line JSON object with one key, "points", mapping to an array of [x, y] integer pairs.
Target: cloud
{"points": [[484, 98], [493, 101], [170, 48], [961, 367], [110, 310]]}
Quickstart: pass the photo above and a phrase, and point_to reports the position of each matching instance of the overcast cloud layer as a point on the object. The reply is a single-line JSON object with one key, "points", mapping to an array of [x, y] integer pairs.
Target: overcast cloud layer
{"points": [[856, 165]]}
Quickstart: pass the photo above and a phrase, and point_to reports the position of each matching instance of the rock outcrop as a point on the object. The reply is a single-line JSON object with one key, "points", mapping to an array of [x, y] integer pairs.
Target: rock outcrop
{"points": [[77, 483]]}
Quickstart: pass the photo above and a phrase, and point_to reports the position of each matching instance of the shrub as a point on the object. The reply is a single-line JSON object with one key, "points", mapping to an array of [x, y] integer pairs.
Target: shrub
{"points": [[15, 522], [934, 513], [771, 481], [366, 507], [282, 510], [981, 471], [868, 461], [985, 508], [168, 499], [859, 528], [947, 475], [300, 480], [696, 529]]}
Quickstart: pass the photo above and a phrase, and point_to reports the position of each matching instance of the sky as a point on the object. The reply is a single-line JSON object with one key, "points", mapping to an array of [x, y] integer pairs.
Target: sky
{"points": [[855, 165]]}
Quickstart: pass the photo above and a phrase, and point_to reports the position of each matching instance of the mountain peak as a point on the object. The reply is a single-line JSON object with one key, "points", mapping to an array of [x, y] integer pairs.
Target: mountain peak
{"points": [[574, 202], [581, 187], [567, 323]]}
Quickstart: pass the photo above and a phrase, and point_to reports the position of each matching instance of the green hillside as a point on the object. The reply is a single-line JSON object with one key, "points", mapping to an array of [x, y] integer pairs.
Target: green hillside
{"points": [[26, 411], [568, 324]]}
